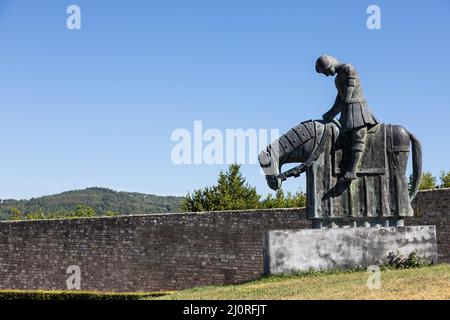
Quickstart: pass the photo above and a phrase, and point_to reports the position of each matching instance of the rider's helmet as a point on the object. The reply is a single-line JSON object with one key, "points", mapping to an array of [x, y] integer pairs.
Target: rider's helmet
{"points": [[325, 62]]}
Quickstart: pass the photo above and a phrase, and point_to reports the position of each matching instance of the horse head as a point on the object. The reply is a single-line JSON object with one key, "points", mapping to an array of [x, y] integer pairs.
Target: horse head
{"points": [[268, 160], [295, 146]]}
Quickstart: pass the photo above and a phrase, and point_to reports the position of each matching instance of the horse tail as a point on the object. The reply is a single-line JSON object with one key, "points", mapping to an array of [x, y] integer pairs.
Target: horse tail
{"points": [[417, 166]]}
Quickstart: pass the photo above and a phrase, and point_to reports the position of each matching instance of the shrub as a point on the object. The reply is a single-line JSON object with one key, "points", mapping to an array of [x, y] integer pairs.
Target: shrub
{"points": [[74, 295], [282, 200], [111, 214], [444, 176], [397, 261]]}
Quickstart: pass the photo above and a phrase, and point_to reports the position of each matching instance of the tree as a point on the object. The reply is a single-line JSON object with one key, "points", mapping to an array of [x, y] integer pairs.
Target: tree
{"points": [[445, 179], [232, 192], [16, 214], [37, 215], [83, 211], [428, 181], [284, 201]]}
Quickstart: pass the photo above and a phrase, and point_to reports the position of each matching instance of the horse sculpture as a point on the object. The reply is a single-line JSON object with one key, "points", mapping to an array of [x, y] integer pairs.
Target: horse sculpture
{"points": [[380, 192]]}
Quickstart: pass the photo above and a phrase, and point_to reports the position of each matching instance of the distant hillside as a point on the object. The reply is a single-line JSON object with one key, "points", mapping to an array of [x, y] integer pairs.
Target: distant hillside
{"points": [[100, 199]]}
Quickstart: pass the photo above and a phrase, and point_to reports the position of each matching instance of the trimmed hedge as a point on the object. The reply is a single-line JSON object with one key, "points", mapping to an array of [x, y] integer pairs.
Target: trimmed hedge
{"points": [[76, 295]]}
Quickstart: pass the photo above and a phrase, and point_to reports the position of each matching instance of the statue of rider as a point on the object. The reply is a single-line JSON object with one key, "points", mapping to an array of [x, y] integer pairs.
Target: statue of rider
{"points": [[356, 117]]}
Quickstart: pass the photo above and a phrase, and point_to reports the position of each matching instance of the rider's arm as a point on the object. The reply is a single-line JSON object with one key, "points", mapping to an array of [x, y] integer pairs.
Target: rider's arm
{"points": [[350, 83], [350, 87], [335, 109]]}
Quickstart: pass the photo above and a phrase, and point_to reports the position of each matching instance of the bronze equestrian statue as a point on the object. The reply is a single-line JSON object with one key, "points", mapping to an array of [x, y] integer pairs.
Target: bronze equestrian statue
{"points": [[355, 168]]}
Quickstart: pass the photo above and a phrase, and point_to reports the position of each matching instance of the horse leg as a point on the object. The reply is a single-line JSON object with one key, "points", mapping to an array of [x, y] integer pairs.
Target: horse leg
{"points": [[398, 164], [401, 148]]}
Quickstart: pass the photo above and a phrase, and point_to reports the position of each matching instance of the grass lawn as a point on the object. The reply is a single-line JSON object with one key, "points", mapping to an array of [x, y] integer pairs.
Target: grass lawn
{"points": [[419, 283]]}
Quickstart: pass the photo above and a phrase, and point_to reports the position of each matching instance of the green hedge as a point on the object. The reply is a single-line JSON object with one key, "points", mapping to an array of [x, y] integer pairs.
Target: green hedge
{"points": [[75, 295]]}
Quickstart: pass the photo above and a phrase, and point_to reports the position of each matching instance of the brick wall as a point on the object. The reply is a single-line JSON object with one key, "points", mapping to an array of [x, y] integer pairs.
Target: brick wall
{"points": [[146, 252], [162, 252], [433, 208]]}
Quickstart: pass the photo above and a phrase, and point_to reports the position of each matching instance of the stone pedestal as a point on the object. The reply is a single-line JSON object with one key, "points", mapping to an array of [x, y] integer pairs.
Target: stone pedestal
{"points": [[287, 251]]}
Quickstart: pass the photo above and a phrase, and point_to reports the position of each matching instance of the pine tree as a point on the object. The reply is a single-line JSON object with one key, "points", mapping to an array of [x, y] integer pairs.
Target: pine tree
{"points": [[232, 192]]}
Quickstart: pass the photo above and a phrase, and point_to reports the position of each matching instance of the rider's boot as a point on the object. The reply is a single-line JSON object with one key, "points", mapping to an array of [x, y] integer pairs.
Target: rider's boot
{"points": [[351, 172], [358, 140]]}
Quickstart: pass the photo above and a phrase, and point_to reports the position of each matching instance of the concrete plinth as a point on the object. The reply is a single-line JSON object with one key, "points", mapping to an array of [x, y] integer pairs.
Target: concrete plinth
{"points": [[287, 251]]}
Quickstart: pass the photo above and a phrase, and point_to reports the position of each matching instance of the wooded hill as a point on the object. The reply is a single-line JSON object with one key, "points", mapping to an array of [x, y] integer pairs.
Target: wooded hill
{"points": [[100, 199]]}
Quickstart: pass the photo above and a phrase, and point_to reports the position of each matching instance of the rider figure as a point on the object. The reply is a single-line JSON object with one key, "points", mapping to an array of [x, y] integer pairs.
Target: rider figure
{"points": [[356, 117]]}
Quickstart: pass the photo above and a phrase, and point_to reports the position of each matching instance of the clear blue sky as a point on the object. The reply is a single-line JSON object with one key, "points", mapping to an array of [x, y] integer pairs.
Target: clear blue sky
{"points": [[97, 106]]}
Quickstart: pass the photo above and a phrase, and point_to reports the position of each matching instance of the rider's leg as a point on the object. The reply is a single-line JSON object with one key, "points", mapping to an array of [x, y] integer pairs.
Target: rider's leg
{"points": [[358, 140]]}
